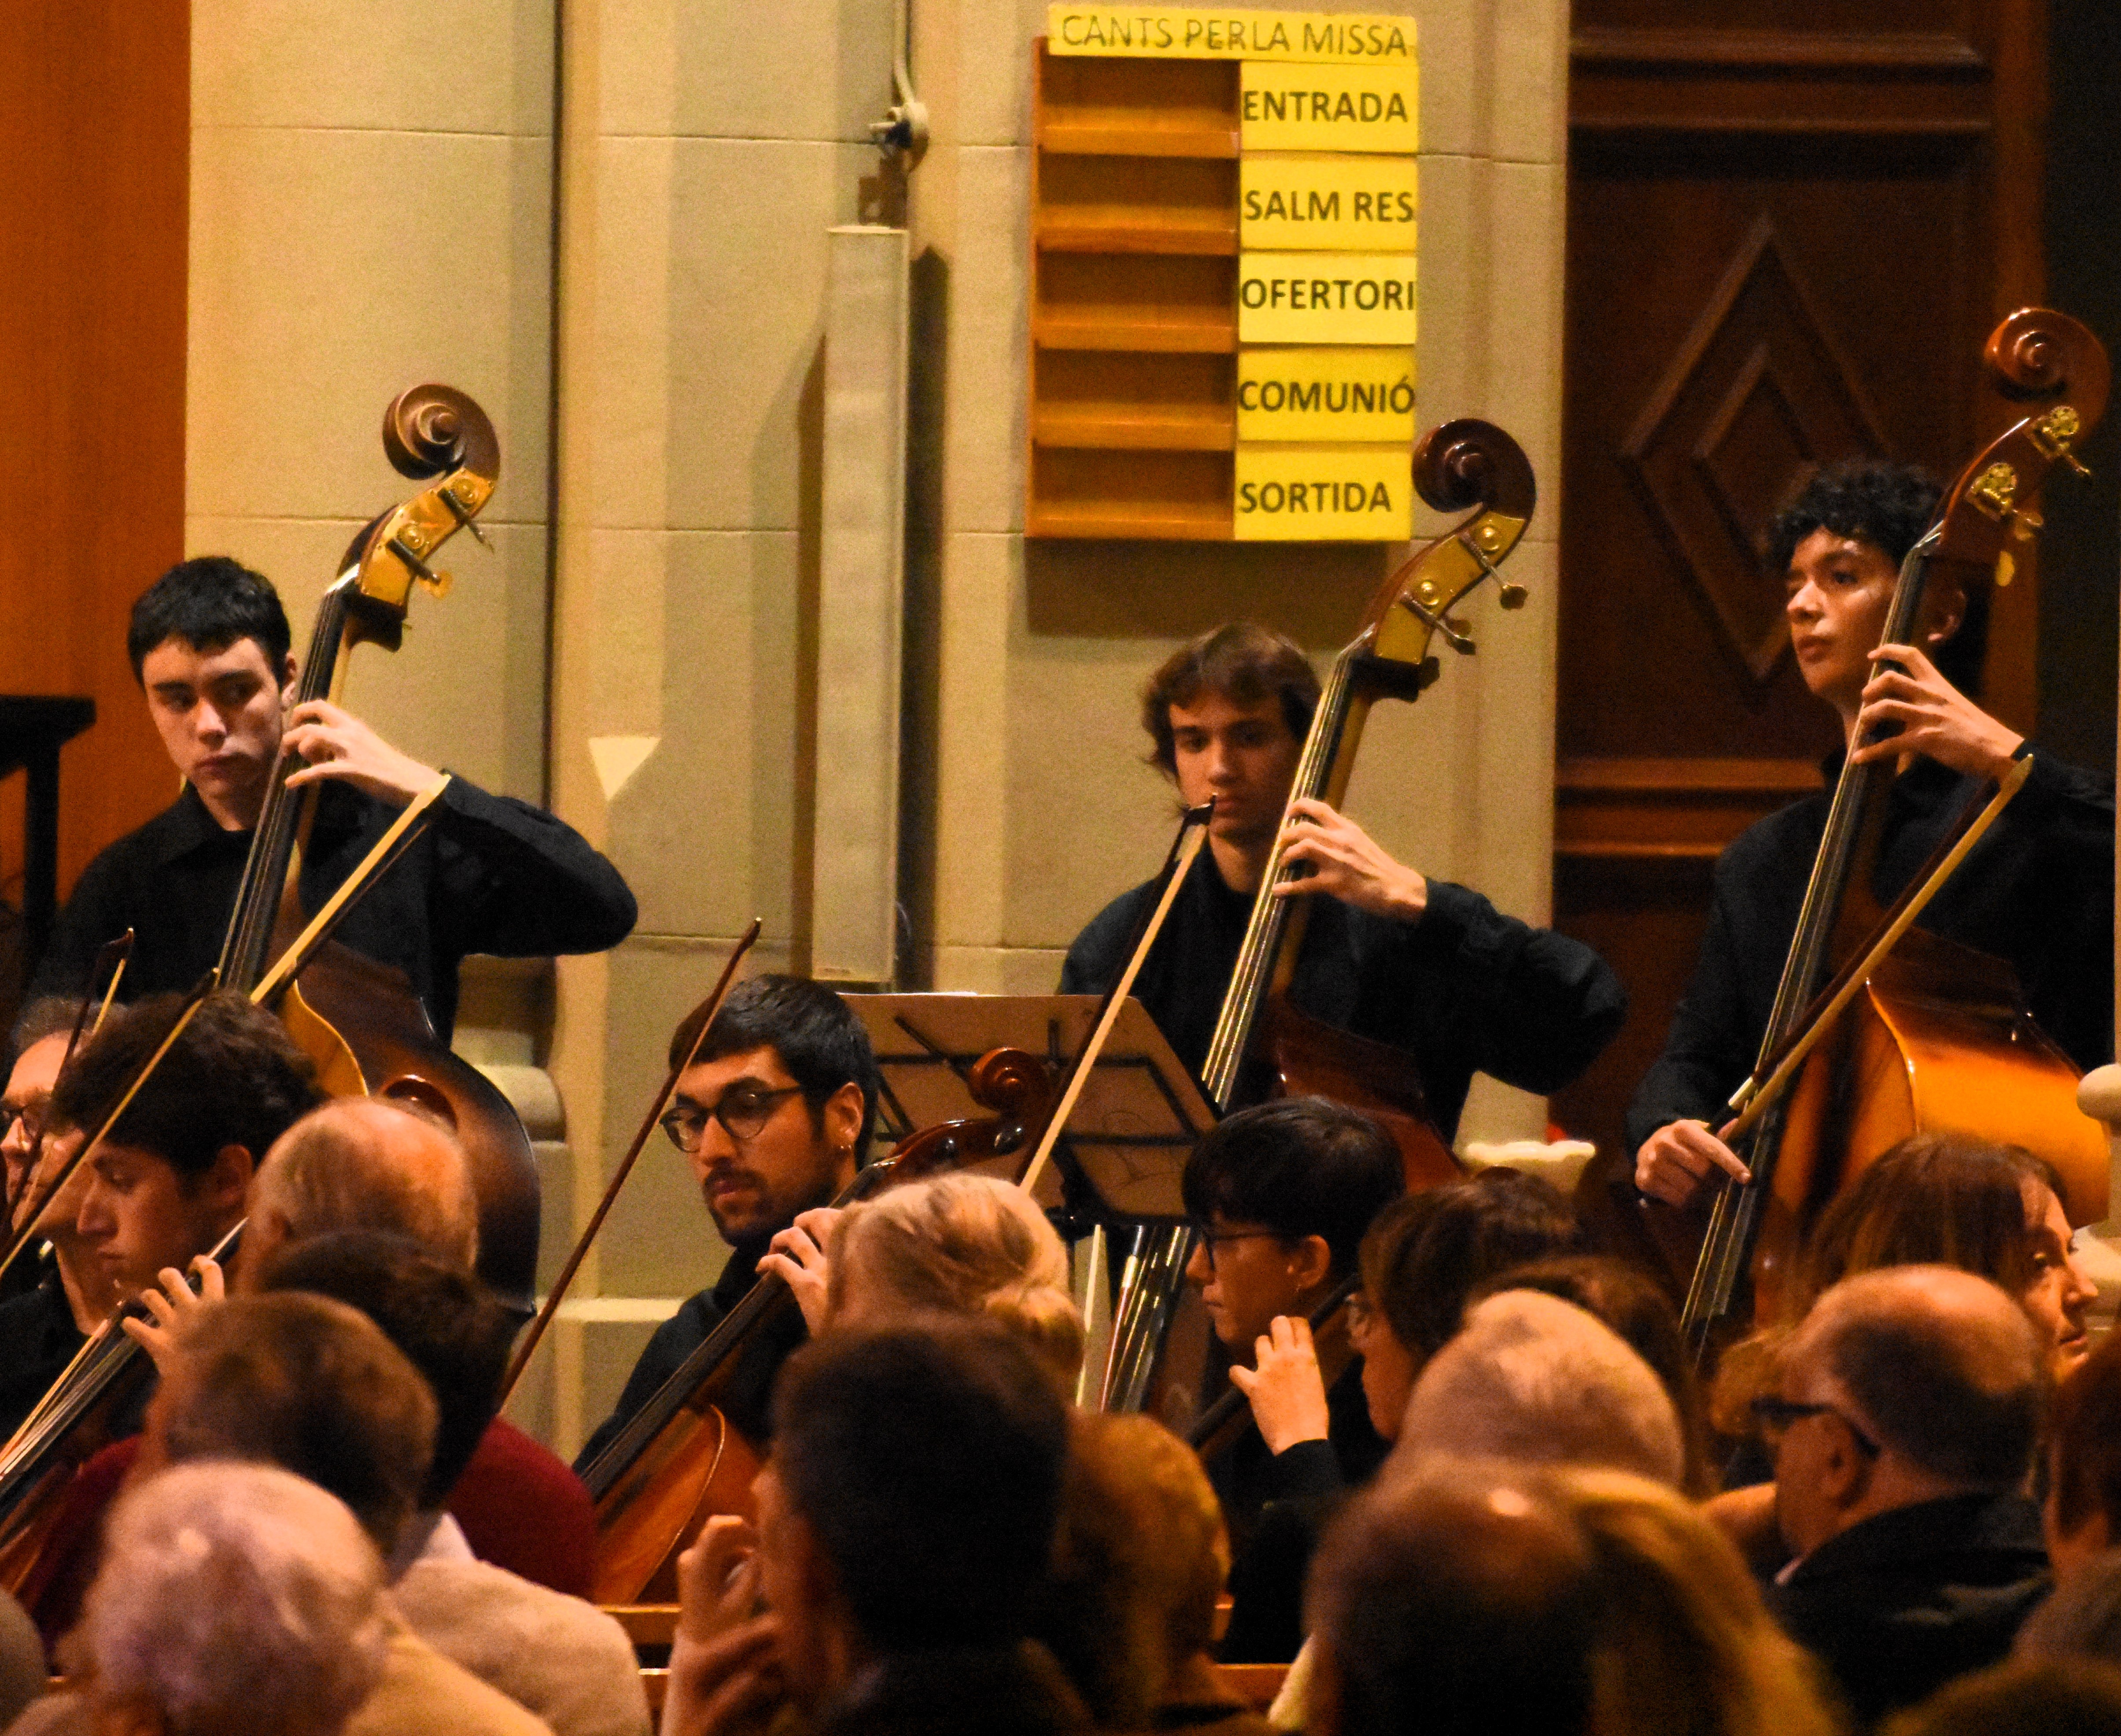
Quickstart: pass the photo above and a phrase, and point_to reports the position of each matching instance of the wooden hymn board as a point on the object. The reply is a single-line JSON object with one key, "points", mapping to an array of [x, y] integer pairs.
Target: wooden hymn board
{"points": [[1224, 216]]}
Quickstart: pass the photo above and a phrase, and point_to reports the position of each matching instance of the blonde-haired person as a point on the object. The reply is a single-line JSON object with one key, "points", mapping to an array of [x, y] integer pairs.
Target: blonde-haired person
{"points": [[957, 1244], [1687, 1647]]}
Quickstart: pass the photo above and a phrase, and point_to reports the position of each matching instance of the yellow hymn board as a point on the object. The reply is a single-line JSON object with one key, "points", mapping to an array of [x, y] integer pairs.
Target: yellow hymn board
{"points": [[1224, 213]]}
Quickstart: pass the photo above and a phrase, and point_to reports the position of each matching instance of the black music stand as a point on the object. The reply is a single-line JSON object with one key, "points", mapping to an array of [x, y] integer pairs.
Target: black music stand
{"points": [[32, 731], [1140, 1113]]}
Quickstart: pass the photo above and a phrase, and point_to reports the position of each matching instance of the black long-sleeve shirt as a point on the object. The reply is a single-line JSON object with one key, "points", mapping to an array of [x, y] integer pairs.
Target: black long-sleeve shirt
{"points": [[1465, 989], [2038, 890], [489, 874]]}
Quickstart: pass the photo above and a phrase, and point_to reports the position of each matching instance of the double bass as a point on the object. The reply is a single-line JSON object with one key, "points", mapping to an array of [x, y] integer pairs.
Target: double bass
{"points": [[1938, 1037], [1262, 1046], [356, 1019]]}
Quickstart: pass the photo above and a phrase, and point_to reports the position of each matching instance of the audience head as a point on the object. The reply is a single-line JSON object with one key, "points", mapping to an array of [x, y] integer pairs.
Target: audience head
{"points": [[1902, 1385], [1686, 1644], [912, 1496], [1949, 1199], [2083, 1506], [305, 1383], [1129, 1608], [1424, 1256], [1456, 1598], [363, 1163], [2057, 1696], [1283, 1195], [235, 1601], [450, 1327], [958, 1244], [1533, 1379], [172, 1176], [2082, 1619], [1244, 664], [1627, 1299], [774, 1113]]}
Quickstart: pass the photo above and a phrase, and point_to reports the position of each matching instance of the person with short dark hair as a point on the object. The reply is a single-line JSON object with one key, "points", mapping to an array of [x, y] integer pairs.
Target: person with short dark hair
{"points": [[173, 1175], [1456, 1601], [210, 647], [1430, 968], [906, 1522], [773, 1116], [1903, 1433], [2038, 893]]}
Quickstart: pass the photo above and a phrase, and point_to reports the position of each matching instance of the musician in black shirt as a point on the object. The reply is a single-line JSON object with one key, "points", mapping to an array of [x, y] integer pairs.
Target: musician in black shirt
{"points": [[1429, 967], [2037, 891], [210, 646]]}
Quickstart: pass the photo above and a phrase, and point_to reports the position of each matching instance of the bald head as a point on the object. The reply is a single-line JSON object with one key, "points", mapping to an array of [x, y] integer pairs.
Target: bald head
{"points": [[1530, 1377], [362, 1164], [1941, 1367]]}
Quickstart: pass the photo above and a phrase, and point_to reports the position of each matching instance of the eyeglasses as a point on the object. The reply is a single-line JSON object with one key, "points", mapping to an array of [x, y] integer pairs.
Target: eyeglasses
{"points": [[1776, 1416], [742, 1112], [31, 1114], [1211, 1240]]}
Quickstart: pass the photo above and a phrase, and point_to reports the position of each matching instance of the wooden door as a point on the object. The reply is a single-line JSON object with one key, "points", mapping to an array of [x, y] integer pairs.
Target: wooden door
{"points": [[1791, 225], [94, 143]]}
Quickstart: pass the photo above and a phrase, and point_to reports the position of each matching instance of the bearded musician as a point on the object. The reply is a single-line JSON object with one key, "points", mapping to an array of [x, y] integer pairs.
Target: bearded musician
{"points": [[1389, 954], [210, 647], [2038, 890]]}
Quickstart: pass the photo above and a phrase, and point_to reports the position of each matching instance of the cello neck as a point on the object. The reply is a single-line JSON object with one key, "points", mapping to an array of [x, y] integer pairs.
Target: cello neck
{"points": [[1276, 928]]}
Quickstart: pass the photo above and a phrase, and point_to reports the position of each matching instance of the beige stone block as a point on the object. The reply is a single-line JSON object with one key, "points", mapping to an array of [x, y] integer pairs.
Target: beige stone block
{"points": [[996, 970], [1521, 310], [1530, 105], [1413, 787], [658, 1239], [618, 406], [1457, 94], [1514, 755], [443, 66], [705, 828], [466, 691], [979, 582], [746, 268], [331, 270], [1456, 246], [801, 69], [1085, 824], [992, 92], [989, 330]]}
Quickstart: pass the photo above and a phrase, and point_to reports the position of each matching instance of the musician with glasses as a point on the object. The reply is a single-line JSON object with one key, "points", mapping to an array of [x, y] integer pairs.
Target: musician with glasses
{"points": [[774, 1115], [1282, 1194]]}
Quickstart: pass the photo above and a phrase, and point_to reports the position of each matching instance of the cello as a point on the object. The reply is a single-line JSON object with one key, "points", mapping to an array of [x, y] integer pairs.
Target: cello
{"points": [[1938, 1037], [358, 1019], [1263, 1046]]}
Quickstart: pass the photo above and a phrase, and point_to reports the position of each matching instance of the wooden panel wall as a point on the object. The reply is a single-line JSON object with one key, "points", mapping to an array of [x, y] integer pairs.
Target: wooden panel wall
{"points": [[1791, 224], [95, 125]]}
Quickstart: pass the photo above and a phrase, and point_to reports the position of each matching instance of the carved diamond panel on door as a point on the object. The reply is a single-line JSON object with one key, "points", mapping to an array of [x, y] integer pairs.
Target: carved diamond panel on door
{"points": [[1756, 395]]}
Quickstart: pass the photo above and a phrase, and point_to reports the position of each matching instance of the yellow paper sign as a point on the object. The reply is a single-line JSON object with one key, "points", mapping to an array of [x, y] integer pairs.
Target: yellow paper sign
{"points": [[1288, 107], [1325, 298], [1180, 33], [1348, 204], [1338, 394], [1325, 494]]}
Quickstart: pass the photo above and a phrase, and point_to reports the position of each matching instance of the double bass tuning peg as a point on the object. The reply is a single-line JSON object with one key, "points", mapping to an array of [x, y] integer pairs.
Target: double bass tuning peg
{"points": [[1512, 596]]}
